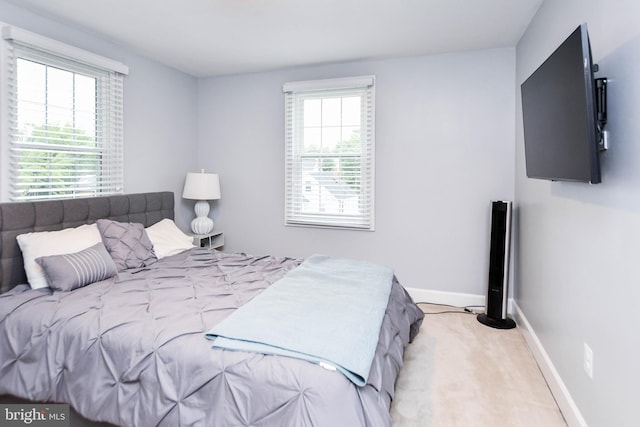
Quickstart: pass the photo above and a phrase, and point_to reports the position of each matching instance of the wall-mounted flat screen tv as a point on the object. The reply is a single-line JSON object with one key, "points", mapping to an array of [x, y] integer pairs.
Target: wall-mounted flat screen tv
{"points": [[562, 123]]}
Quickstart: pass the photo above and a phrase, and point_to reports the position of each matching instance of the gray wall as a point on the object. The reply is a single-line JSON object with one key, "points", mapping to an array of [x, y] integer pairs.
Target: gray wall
{"points": [[578, 274], [160, 104], [444, 148]]}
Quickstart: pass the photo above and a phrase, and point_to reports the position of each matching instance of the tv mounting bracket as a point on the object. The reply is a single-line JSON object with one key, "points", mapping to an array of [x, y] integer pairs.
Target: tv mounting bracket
{"points": [[601, 111]]}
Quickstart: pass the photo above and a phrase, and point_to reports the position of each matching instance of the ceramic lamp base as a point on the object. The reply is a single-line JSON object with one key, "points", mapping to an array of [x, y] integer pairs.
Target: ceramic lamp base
{"points": [[202, 224]]}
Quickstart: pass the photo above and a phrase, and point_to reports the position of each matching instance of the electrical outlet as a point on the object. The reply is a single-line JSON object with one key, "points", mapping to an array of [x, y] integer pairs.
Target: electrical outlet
{"points": [[588, 360]]}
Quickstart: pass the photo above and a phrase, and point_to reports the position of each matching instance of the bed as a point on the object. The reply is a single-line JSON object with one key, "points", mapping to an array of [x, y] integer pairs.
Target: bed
{"points": [[131, 349]]}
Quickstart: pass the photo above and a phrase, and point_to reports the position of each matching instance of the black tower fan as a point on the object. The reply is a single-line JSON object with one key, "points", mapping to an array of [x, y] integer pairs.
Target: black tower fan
{"points": [[496, 311]]}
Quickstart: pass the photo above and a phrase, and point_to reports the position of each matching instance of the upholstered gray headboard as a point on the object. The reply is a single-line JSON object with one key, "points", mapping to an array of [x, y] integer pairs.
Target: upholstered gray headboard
{"points": [[24, 217]]}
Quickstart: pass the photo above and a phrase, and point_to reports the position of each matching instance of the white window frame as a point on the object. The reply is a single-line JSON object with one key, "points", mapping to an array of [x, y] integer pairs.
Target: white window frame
{"points": [[19, 43], [295, 184]]}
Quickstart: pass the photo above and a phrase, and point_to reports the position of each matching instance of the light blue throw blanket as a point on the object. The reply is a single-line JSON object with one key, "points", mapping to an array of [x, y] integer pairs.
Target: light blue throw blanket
{"points": [[328, 310]]}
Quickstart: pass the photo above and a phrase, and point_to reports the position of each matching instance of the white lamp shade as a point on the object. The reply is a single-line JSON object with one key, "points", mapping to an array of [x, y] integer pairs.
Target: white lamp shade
{"points": [[201, 186]]}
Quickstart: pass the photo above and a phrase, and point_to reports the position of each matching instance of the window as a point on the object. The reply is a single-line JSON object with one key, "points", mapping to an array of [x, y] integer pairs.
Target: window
{"points": [[62, 137], [330, 153]]}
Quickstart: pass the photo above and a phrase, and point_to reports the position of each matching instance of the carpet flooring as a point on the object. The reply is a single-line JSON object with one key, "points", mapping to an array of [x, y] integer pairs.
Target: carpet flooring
{"points": [[459, 372]]}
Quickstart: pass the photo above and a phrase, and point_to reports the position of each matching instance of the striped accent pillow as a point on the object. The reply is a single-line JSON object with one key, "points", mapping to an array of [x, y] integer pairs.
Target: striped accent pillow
{"points": [[70, 271]]}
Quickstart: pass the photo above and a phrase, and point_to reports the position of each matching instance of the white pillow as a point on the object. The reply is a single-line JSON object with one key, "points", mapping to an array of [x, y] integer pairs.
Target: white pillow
{"points": [[46, 243], [168, 239]]}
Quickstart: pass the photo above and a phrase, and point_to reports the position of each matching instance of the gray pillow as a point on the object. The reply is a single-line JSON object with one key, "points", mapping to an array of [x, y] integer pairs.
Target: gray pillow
{"points": [[127, 243], [70, 271]]}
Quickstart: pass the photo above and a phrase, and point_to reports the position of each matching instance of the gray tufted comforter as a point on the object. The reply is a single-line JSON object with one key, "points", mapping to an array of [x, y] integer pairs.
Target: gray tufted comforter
{"points": [[131, 351]]}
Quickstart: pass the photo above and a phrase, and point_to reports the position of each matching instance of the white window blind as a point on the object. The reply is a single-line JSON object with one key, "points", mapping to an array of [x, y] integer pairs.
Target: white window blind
{"points": [[65, 122], [329, 131]]}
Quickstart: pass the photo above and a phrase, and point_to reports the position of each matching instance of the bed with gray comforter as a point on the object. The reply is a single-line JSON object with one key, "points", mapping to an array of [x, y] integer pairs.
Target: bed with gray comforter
{"points": [[131, 350]]}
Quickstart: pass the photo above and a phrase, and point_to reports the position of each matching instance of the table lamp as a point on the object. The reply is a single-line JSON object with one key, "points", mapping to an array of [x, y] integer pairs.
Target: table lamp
{"points": [[201, 187]]}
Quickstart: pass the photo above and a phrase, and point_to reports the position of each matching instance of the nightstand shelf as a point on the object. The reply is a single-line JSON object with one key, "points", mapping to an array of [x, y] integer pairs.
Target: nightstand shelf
{"points": [[213, 240]]}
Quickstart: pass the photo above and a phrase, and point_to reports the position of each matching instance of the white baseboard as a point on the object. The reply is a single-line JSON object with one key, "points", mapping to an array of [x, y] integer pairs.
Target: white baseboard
{"points": [[567, 406], [452, 298]]}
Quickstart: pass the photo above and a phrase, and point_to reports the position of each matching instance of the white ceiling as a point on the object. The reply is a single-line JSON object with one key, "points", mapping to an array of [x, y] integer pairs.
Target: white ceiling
{"points": [[216, 37]]}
